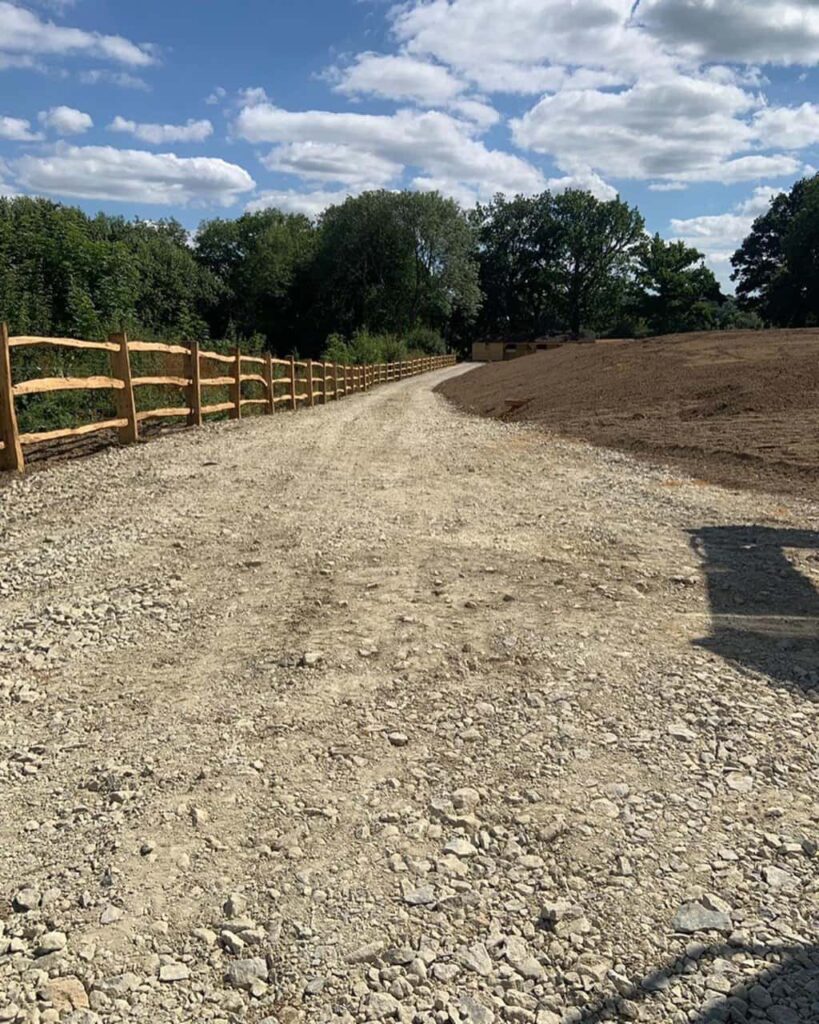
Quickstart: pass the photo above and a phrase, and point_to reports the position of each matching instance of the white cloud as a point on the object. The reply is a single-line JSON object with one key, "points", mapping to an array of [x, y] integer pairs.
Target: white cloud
{"points": [[720, 235], [163, 134], [16, 129], [398, 77], [122, 79], [23, 33], [509, 45], [746, 168], [333, 162], [437, 144], [482, 114], [747, 31], [677, 127], [216, 96], [788, 127], [65, 120], [588, 181], [468, 196], [407, 79], [312, 204], [103, 172]]}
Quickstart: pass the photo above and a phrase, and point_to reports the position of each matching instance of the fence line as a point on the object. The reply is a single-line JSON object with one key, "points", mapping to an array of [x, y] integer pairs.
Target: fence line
{"points": [[307, 383]]}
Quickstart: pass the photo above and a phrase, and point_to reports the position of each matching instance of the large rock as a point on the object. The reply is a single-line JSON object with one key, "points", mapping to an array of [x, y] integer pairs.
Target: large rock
{"points": [[381, 1005], [245, 973], [695, 917], [67, 994]]}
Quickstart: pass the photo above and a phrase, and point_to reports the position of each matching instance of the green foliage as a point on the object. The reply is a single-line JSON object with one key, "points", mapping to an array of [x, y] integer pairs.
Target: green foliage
{"points": [[425, 341], [777, 266], [63, 273], [390, 261], [673, 290], [263, 263], [554, 262], [365, 347]]}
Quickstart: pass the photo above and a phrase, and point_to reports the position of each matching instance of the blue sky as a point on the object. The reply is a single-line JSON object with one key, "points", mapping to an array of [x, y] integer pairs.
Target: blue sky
{"points": [[696, 110]]}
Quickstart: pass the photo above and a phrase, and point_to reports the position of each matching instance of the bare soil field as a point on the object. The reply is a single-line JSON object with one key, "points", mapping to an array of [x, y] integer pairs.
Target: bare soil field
{"points": [[736, 408], [386, 712]]}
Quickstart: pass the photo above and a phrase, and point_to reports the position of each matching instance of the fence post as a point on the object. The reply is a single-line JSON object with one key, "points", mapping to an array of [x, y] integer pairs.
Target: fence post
{"points": [[310, 397], [270, 408], [195, 397], [11, 455], [236, 411], [294, 403], [126, 405]]}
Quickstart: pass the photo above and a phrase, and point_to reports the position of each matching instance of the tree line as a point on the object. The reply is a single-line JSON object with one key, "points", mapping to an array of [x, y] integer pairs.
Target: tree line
{"points": [[386, 273]]}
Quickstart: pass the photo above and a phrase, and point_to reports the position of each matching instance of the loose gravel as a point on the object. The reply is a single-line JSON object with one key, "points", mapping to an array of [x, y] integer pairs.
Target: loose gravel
{"points": [[381, 712]]}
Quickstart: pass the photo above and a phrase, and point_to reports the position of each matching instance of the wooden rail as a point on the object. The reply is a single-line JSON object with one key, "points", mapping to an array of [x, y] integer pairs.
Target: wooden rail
{"points": [[303, 383]]}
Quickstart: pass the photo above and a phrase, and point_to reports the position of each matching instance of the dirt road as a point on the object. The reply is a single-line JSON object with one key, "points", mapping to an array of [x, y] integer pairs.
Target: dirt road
{"points": [[381, 711]]}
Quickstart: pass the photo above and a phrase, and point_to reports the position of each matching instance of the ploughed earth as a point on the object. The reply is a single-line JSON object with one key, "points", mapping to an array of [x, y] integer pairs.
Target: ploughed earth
{"points": [[736, 408]]}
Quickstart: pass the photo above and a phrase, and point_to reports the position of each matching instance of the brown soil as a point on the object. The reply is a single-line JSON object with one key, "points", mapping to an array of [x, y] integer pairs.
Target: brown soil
{"points": [[736, 408]]}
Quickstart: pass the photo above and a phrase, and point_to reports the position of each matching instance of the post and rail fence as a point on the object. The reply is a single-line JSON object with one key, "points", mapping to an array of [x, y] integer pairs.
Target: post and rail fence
{"points": [[285, 383]]}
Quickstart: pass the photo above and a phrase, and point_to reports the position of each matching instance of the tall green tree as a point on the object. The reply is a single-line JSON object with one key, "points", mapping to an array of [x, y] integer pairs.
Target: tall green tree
{"points": [[673, 287], [263, 263], [555, 261], [777, 266], [517, 253], [391, 261], [597, 242]]}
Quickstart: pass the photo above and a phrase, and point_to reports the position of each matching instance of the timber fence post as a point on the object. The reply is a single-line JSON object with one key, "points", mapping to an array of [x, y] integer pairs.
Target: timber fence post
{"points": [[126, 405], [270, 408], [236, 411], [11, 455], [310, 397], [195, 397], [294, 403]]}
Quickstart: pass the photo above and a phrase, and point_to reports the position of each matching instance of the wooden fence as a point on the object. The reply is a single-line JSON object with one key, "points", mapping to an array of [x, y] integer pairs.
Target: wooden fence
{"points": [[286, 383]]}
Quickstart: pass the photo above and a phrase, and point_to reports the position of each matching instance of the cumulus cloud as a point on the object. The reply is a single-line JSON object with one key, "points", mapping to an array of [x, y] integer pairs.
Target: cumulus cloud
{"points": [[436, 143], [680, 127], [65, 120], [312, 204], [102, 172], [398, 77], [163, 134], [24, 34], [16, 129], [122, 79], [747, 31], [333, 162], [788, 127], [216, 96], [720, 235], [516, 45]]}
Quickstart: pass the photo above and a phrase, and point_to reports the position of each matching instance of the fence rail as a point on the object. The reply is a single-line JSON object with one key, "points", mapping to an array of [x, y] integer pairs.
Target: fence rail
{"points": [[307, 383]]}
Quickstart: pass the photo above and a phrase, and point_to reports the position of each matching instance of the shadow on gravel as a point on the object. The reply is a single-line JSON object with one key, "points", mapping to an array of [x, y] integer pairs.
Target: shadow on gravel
{"points": [[784, 989], [764, 611]]}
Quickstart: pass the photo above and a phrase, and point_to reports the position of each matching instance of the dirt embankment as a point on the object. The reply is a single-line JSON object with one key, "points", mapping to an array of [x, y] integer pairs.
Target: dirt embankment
{"points": [[735, 408]]}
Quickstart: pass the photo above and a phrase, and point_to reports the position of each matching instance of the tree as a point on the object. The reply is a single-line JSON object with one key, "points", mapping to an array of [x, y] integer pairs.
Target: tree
{"points": [[262, 262], [597, 241], [391, 261], [517, 254], [776, 266], [673, 287]]}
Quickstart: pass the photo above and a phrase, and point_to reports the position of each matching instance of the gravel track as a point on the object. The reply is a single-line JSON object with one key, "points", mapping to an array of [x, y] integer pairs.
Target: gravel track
{"points": [[382, 711]]}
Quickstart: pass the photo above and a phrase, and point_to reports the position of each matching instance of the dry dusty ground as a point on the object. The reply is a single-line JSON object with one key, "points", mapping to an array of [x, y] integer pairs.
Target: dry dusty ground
{"points": [[737, 408], [384, 712]]}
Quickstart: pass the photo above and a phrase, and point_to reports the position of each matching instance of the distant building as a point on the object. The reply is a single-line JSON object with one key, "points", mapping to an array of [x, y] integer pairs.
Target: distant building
{"points": [[498, 351]]}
